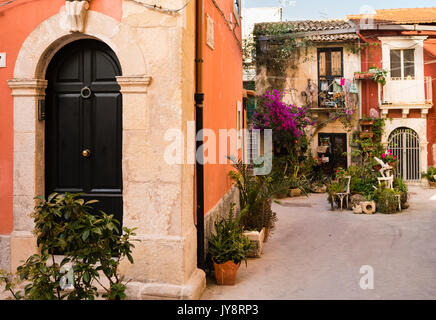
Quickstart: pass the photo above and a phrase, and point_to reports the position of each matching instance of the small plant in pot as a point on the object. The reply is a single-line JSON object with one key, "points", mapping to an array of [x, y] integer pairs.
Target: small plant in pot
{"points": [[431, 176], [228, 247], [390, 158]]}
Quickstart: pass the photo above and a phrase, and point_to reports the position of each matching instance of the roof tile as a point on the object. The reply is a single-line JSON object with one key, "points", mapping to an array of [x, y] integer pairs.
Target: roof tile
{"points": [[400, 16]]}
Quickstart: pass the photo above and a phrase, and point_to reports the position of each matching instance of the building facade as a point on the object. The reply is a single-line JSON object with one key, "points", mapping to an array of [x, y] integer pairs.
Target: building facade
{"points": [[400, 42], [89, 90], [403, 42]]}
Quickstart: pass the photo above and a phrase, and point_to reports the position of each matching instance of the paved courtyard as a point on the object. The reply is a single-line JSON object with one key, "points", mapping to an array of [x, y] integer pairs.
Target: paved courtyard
{"points": [[317, 254]]}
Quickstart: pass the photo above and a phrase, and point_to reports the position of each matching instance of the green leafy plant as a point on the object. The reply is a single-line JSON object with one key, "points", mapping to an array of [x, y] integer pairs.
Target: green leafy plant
{"points": [[379, 75], [430, 174], [228, 243], [402, 188], [90, 243], [387, 200], [255, 194], [334, 188]]}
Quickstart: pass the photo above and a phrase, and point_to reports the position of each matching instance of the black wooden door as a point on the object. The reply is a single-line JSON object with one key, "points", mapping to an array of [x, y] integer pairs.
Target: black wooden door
{"points": [[84, 125], [335, 152]]}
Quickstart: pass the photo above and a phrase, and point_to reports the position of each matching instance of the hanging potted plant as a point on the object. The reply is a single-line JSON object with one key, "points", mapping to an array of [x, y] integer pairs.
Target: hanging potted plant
{"points": [[228, 247]]}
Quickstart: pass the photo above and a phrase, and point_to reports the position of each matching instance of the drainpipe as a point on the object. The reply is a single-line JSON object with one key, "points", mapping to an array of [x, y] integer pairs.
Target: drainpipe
{"points": [[199, 98]]}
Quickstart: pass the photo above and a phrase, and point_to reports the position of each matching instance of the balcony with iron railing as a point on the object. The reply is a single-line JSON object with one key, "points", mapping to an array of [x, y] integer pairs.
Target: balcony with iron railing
{"points": [[406, 94]]}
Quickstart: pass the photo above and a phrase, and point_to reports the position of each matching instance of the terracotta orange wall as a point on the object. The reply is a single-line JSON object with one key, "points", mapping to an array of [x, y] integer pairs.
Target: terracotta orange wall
{"points": [[371, 56], [222, 88], [430, 71], [17, 21]]}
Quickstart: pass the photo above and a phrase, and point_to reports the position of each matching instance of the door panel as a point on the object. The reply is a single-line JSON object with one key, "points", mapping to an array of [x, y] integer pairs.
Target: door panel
{"points": [[106, 141], [335, 153], [75, 123]]}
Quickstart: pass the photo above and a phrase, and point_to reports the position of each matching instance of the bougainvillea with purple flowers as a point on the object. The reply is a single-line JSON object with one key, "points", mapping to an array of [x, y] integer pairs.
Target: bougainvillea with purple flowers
{"points": [[287, 121]]}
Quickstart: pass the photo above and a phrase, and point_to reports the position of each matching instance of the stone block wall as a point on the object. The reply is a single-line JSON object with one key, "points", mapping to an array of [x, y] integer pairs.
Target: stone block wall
{"points": [[5, 253]]}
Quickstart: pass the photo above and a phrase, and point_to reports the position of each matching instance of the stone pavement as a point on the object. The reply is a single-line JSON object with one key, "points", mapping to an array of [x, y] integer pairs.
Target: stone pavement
{"points": [[317, 254]]}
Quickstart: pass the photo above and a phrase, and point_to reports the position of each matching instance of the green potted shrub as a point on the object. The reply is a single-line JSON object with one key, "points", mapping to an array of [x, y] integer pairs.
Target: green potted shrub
{"points": [[228, 247], [387, 200], [401, 187], [431, 176], [334, 188], [255, 194], [379, 75]]}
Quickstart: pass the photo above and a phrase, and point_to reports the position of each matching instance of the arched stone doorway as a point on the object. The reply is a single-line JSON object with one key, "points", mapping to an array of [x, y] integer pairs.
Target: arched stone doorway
{"points": [[405, 145], [83, 125], [29, 92], [165, 257]]}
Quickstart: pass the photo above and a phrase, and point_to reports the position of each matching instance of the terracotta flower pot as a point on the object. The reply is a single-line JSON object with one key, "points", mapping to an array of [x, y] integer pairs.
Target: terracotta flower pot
{"points": [[225, 274], [366, 135], [366, 122], [377, 167], [432, 184]]}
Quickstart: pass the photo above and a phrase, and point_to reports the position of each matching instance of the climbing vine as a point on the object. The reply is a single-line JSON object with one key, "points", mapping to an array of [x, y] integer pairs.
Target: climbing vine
{"points": [[276, 47]]}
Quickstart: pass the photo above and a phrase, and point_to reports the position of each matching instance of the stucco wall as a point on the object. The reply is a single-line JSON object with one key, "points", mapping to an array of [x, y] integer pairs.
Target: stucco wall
{"points": [[156, 53], [17, 20], [296, 81], [223, 91]]}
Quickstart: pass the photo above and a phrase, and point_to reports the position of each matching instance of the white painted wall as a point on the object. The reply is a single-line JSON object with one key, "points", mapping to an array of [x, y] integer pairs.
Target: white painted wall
{"points": [[251, 16]]}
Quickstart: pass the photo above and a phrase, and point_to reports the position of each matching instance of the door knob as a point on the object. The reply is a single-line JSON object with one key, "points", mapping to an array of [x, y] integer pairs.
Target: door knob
{"points": [[86, 153]]}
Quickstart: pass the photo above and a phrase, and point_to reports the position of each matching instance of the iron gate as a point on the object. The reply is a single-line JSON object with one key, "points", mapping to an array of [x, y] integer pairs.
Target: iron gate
{"points": [[404, 144]]}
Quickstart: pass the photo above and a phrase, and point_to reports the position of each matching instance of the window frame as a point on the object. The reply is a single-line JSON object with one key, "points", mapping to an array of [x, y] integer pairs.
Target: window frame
{"points": [[330, 78], [237, 11], [402, 64]]}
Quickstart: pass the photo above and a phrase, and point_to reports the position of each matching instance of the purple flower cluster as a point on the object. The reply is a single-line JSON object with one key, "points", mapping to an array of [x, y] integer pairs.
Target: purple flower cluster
{"points": [[280, 116]]}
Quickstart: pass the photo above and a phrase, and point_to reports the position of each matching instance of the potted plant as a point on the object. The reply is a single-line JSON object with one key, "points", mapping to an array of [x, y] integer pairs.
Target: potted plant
{"points": [[255, 194], [379, 75], [375, 165], [366, 122], [228, 247], [325, 142], [366, 134], [389, 158], [431, 176], [363, 75]]}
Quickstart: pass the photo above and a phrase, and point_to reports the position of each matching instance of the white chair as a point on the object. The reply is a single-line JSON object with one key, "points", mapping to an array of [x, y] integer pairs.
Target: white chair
{"points": [[387, 178], [386, 174], [346, 194]]}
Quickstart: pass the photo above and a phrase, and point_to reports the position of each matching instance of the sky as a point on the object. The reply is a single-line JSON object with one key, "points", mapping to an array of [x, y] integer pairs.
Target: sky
{"points": [[333, 9]]}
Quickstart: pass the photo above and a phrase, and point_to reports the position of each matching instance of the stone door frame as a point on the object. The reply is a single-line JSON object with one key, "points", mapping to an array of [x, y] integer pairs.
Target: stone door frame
{"points": [[28, 88]]}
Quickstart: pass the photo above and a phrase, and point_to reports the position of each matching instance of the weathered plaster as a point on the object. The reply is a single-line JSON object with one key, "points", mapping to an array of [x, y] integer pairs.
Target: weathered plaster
{"points": [[5, 253]]}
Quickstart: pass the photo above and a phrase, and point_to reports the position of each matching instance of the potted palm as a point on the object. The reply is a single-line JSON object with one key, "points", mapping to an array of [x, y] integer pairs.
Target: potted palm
{"points": [[255, 194], [228, 247]]}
